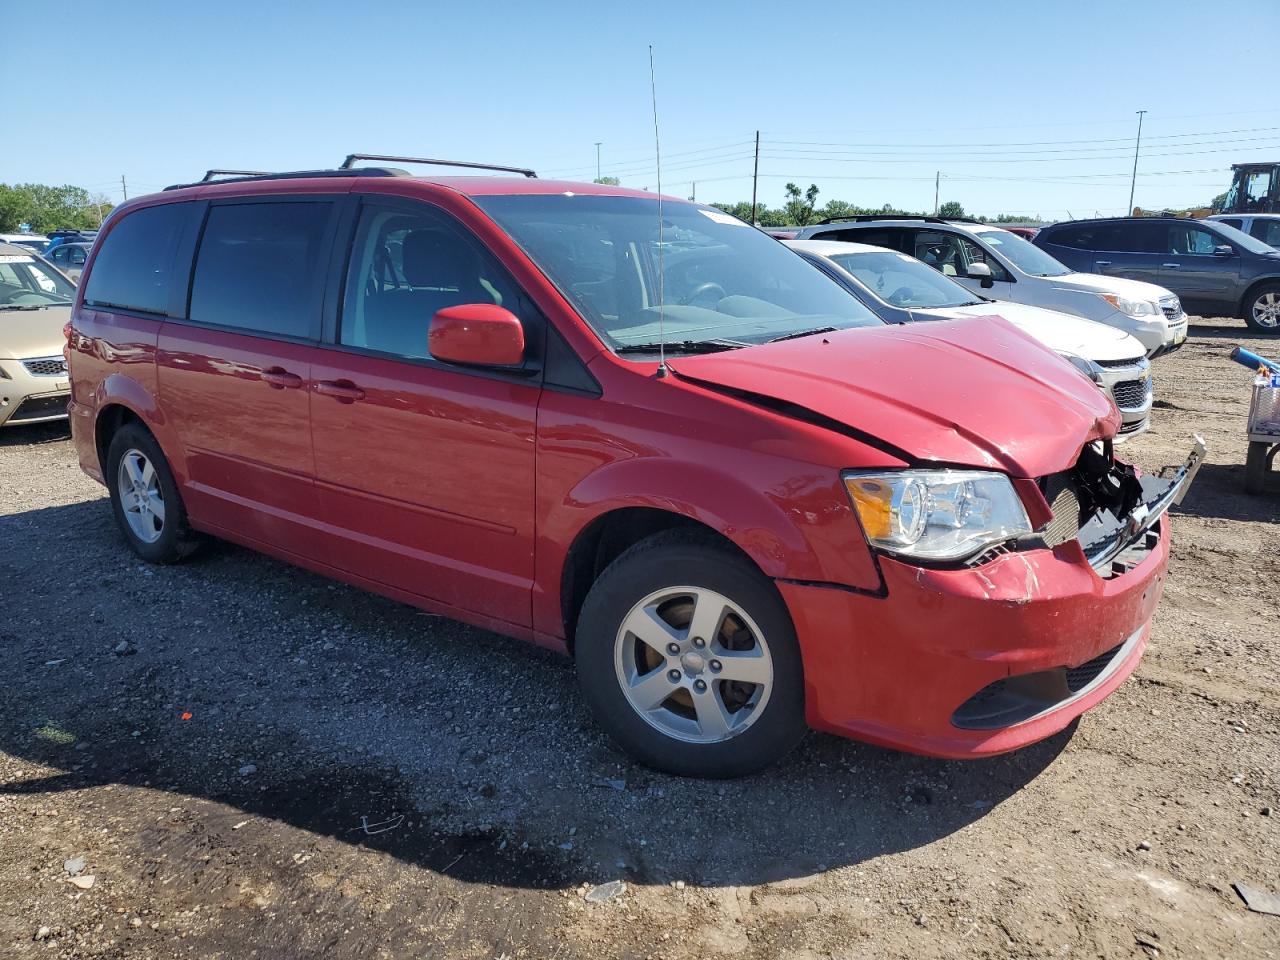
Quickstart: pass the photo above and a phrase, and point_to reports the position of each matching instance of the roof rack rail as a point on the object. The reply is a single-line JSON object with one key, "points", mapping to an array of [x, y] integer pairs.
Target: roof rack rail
{"points": [[349, 163], [247, 177], [211, 175], [867, 217]]}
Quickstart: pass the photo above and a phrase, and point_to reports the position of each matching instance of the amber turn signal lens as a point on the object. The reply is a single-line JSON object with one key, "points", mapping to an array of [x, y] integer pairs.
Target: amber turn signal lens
{"points": [[873, 500]]}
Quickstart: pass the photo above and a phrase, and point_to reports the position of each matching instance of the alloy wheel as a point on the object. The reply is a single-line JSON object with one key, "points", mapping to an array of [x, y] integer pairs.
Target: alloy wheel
{"points": [[693, 664], [141, 498], [1266, 310]]}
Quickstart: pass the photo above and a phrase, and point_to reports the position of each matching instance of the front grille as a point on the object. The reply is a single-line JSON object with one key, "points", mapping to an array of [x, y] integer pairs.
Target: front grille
{"points": [[1130, 394], [1117, 364], [1171, 308], [41, 408], [46, 366]]}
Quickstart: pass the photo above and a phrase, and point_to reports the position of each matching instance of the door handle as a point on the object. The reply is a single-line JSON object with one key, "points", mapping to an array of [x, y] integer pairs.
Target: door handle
{"points": [[279, 378], [1102, 263], [344, 391], [1170, 266]]}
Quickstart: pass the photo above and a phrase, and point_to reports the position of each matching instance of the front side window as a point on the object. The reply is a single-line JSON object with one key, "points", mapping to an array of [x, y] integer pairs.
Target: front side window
{"points": [[25, 282], [134, 265], [258, 266], [903, 281], [1186, 239], [696, 275], [1257, 190], [1232, 222], [975, 254], [1027, 257], [406, 266]]}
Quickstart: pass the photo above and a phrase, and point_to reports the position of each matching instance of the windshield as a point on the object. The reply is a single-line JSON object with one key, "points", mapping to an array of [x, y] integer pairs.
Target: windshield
{"points": [[903, 281], [1242, 239], [1027, 257], [26, 282], [715, 277]]}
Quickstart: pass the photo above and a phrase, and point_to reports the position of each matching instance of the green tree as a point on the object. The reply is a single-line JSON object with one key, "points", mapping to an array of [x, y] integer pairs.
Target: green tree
{"points": [[608, 181], [799, 207], [49, 208], [953, 210]]}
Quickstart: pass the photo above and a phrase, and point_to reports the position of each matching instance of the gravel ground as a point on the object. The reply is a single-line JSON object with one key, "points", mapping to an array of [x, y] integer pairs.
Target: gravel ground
{"points": [[249, 758]]}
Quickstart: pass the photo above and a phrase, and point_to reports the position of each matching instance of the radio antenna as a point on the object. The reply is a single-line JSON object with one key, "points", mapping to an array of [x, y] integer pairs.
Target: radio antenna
{"points": [[662, 300]]}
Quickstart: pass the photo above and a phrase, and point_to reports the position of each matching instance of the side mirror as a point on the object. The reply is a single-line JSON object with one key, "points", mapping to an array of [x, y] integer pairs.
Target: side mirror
{"points": [[981, 271], [1224, 250], [477, 334]]}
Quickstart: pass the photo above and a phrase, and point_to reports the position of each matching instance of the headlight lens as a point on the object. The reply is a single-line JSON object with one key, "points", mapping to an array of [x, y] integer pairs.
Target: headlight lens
{"points": [[936, 514], [1087, 367], [1132, 308]]}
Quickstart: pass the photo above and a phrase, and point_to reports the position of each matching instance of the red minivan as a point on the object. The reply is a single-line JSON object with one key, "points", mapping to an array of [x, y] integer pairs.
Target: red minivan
{"points": [[629, 428]]}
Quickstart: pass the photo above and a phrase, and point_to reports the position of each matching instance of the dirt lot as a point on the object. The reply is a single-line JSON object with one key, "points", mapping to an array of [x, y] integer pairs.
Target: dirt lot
{"points": [[356, 779]]}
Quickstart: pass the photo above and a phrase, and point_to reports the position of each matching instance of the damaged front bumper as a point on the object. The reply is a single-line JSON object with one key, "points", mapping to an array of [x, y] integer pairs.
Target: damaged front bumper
{"points": [[993, 656]]}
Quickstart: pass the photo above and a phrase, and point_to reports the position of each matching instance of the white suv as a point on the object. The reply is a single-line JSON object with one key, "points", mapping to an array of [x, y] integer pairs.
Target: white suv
{"points": [[1001, 265]]}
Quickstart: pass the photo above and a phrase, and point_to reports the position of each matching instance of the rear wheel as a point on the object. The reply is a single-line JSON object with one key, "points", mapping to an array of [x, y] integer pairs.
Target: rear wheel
{"points": [[687, 656], [145, 498], [1262, 308]]}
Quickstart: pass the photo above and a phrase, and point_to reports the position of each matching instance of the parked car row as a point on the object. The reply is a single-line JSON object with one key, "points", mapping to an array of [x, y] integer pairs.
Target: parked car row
{"points": [[741, 493]]}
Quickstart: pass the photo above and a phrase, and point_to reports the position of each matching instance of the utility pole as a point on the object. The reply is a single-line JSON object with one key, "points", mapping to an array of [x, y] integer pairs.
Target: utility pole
{"points": [[693, 193], [598, 142], [123, 187], [1134, 183], [937, 185], [755, 178]]}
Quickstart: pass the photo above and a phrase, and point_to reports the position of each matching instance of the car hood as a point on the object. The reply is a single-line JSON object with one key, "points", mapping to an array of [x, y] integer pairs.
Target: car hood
{"points": [[974, 392], [1060, 332], [1094, 283], [32, 333]]}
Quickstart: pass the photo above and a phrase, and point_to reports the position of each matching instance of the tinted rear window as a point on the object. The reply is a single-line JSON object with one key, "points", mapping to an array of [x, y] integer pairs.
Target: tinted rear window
{"points": [[134, 268], [258, 267]]}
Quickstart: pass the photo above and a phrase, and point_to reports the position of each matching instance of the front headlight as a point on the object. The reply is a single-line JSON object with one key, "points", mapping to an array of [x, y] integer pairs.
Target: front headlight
{"points": [[1132, 308], [1087, 367], [936, 514]]}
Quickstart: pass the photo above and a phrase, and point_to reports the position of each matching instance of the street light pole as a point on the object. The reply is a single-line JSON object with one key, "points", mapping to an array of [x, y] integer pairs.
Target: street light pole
{"points": [[1133, 185], [598, 158]]}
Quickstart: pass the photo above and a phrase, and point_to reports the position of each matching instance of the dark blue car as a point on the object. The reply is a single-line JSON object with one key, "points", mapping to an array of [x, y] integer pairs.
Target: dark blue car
{"points": [[1215, 269]]}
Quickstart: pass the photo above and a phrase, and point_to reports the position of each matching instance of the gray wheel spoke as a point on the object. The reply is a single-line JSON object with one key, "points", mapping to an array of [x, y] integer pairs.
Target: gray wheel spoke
{"points": [[714, 721], [649, 690], [148, 474], [746, 666], [155, 505], [708, 615], [130, 462], [651, 629], [138, 488]]}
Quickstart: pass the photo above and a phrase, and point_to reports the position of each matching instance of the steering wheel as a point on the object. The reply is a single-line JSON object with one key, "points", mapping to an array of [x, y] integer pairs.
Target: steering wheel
{"points": [[703, 289], [902, 296]]}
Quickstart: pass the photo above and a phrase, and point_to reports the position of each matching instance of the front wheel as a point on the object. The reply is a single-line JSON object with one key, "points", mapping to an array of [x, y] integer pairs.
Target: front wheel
{"points": [[1255, 466], [1262, 309], [688, 658]]}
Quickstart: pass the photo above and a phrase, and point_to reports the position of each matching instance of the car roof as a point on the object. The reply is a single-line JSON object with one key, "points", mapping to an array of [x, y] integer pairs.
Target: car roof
{"points": [[14, 250], [832, 248], [921, 222]]}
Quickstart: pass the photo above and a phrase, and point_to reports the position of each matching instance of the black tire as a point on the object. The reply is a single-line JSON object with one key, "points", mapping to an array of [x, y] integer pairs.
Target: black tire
{"points": [[1251, 303], [671, 559], [176, 539], [1255, 467]]}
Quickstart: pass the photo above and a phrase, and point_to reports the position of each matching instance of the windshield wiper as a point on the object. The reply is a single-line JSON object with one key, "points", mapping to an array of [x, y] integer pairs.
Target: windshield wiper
{"points": [[681, 346], [804, 333], [24, 306]]}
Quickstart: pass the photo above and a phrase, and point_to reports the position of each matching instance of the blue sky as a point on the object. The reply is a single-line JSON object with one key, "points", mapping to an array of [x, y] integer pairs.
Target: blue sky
{"points": [[1025, 107]]}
